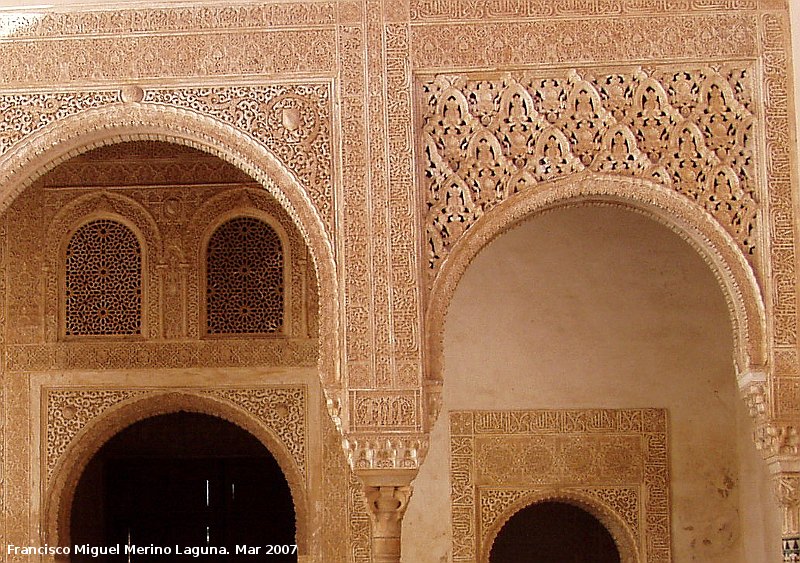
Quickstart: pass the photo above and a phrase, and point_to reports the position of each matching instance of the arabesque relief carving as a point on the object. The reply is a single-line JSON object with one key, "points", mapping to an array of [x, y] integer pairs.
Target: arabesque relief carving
{"points": [[292, 121], [486, 139], [618, 458], [282, 409], [355, 62]]}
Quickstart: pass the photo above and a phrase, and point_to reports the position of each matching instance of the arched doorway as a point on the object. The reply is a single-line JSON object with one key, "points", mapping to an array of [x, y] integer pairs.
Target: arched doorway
{"points": [[182, 482], [554, 531]]}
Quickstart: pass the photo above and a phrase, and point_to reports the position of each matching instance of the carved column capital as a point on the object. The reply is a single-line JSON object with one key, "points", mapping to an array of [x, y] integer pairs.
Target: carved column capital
{"points": [[387, 494]]}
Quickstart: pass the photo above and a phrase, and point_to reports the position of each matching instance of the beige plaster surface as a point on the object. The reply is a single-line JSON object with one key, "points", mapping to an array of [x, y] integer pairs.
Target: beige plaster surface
{"points": [[602, 307]]}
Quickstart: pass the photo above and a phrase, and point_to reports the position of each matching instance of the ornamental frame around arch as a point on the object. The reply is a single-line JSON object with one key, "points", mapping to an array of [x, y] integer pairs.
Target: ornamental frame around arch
{"points": [[288, 259], [59, 141], [731, 269], [115, 207], [624, 539], [60, 494]]}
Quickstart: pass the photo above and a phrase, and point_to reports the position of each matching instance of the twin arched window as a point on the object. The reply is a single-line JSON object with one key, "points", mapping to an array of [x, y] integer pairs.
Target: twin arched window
{"points": [[244, 280]]}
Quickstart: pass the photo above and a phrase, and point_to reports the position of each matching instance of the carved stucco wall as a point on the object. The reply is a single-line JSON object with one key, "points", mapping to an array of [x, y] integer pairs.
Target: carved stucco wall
{"points": [[367, 191]]}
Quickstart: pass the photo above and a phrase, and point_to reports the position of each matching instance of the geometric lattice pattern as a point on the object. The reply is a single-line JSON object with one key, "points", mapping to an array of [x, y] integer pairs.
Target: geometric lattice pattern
{"points": [[103, 281], [244, 287]]}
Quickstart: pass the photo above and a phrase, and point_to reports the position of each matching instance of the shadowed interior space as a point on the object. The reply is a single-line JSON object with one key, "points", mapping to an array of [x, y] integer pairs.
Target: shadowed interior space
{"points": [[188, 480]]}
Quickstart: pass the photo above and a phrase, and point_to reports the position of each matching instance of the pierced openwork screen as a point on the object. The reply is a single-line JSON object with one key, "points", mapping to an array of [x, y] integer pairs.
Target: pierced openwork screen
{"points": [[244, 288], [103, 282]]}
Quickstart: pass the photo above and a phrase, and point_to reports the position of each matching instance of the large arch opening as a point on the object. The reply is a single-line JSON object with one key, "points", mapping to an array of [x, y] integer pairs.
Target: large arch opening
{"points": [[554, 531], [596, 306], [183, 481]]}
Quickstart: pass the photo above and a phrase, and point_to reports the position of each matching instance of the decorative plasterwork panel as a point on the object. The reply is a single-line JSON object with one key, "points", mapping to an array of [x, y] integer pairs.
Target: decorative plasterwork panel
{"points": [[69, 411], [507, 459], [487, 138], [160, 355], [379, 213], [292, 121]]}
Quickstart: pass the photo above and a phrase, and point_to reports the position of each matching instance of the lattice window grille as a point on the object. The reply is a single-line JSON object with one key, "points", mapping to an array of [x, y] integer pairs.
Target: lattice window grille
{"points": [[244, 279], [103, 281]]}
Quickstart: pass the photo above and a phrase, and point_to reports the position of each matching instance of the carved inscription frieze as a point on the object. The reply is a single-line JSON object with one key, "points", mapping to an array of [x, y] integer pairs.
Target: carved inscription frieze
{"points": [[250, 52], [506, 44], [488, 138], [617, 459], [167, 20], [498, 10], [372, 410]]}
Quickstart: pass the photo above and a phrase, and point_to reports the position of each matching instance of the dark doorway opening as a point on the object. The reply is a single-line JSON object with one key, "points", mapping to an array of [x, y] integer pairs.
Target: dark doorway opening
{"points": [[551, 532], [186, 482]]}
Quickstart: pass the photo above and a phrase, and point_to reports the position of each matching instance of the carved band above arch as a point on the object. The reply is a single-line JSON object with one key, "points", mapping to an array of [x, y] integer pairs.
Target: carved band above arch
{"points": [[506, 503]]}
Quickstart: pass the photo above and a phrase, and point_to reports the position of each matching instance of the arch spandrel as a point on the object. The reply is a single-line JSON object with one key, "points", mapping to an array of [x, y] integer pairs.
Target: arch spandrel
{"points": [[94, 124], [732, 270]]}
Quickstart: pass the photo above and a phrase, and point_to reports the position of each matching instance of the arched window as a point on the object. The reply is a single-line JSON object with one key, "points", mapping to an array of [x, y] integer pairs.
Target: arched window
{"points": [[244, 279], [103, 281]]}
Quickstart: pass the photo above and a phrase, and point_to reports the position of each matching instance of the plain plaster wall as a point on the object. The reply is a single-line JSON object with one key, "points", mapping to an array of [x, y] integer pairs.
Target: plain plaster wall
{"points": [[603, 307]]}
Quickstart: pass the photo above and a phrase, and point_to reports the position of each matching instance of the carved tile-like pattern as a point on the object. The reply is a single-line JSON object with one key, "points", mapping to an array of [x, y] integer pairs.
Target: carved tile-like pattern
{"points": [[103, 281], [500, 461], [162, 355], [244, 279], [335, 521], [486, 139]]}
